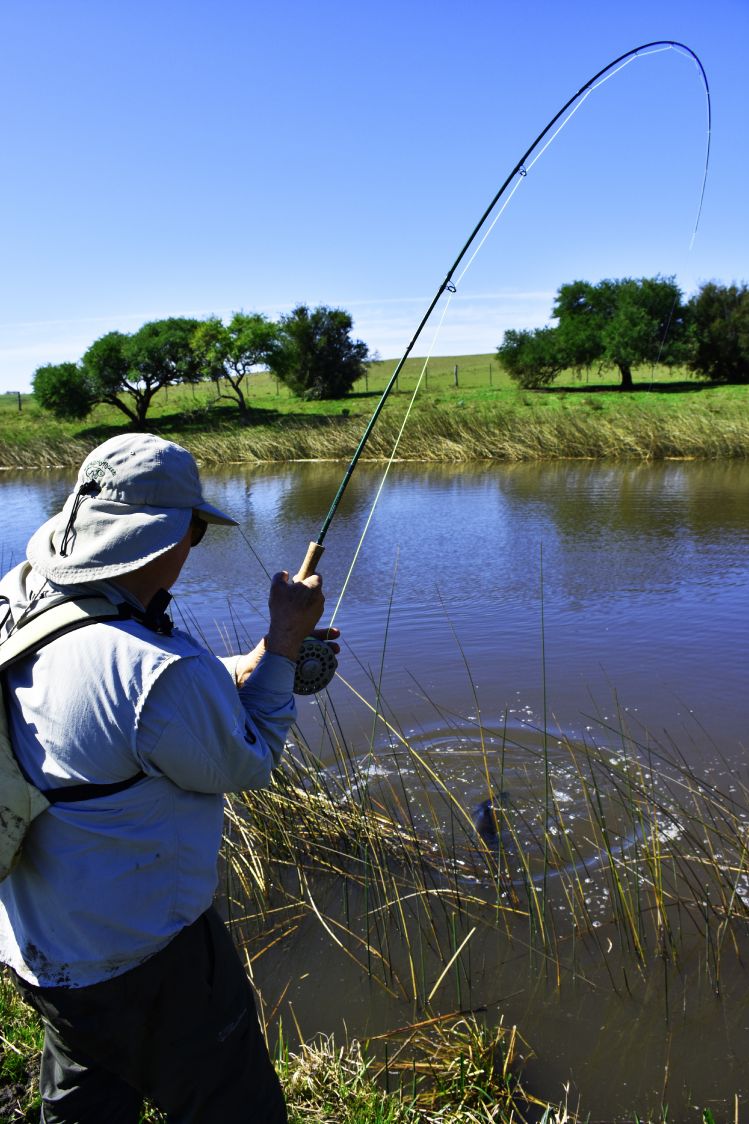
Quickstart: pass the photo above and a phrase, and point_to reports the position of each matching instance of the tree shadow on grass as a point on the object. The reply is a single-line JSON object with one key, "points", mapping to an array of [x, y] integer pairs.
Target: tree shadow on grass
{"points": [[365, 393], [685, 386], [210, 419]]}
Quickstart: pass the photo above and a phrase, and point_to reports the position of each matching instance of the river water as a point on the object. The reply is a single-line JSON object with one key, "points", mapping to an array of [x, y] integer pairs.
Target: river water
{"points": [[571, 596]]}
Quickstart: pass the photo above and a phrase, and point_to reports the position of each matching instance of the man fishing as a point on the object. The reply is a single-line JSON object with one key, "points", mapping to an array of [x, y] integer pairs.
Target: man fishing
{"points": [[107, 922]]}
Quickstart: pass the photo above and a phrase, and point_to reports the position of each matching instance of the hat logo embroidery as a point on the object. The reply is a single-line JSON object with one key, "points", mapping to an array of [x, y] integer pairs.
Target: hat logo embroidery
{"points": [[96, 470]]}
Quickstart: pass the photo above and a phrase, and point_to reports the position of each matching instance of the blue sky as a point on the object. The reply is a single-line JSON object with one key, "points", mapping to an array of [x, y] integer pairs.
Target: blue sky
{"points": [[170, 158]]}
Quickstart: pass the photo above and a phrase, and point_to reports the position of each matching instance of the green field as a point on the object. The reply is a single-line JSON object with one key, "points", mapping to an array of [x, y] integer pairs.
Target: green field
{"points": [[466, 409]]}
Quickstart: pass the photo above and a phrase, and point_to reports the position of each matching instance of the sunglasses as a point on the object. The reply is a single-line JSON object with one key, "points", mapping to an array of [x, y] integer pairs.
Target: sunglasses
{"points": [[198, 528]]}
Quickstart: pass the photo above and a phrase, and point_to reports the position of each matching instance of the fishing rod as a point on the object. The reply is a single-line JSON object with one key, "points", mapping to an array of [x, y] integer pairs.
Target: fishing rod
{"points": [[317, 664]]}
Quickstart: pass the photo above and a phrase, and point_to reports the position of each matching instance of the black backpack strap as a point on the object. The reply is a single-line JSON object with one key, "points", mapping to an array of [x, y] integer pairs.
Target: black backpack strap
{"points": [[86, 791]]}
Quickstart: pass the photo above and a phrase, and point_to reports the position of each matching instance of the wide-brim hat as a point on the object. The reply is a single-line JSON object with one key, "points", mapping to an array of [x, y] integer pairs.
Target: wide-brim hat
{"points": [[134, 500]]}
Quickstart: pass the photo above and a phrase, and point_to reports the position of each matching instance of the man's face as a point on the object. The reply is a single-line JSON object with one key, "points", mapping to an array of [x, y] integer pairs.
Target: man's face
{"points": [[198, 527]]}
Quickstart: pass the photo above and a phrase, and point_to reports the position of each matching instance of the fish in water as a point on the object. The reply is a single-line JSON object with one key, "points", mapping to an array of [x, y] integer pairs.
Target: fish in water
{"points": [[487, 818]]}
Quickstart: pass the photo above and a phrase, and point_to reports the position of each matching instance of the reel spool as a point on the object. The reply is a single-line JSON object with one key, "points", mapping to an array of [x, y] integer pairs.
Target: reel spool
{"points": [[315, 667]]}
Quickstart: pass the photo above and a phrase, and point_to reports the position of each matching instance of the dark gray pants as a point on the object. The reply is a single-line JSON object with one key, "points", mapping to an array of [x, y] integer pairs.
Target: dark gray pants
{"points": [[180, 1029]]}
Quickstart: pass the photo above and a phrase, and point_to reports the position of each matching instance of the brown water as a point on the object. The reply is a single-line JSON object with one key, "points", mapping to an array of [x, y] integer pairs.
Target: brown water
{"points": [[574, 597]]}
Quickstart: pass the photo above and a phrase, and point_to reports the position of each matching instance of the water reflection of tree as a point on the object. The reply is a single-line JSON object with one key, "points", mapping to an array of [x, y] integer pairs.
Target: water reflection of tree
{"points": [[610, 530], [704, 500], [476, 531], [314, 486]]}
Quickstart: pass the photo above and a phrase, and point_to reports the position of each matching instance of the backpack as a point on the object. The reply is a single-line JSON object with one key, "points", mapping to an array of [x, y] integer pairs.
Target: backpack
{"points": [[20, 800]]}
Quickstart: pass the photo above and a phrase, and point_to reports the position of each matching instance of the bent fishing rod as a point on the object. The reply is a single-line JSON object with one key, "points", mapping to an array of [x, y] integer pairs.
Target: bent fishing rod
{"points": [[317, 664]]}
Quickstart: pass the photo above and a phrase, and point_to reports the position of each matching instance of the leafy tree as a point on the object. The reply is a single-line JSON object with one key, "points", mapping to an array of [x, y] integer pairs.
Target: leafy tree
{"points": [[531, 358], [158, 354], [64, 390], [719, 327], [623, 322], [229, 351], [316, 356], [122, 370], [106, 368]]}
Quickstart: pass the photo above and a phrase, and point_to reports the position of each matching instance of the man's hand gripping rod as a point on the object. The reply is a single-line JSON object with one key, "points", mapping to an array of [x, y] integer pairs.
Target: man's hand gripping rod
{"points": [[316, 663]]}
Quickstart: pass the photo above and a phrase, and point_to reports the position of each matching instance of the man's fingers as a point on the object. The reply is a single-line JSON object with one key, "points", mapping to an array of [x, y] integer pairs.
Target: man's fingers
{"points": [[329, 635], [314, 581]]}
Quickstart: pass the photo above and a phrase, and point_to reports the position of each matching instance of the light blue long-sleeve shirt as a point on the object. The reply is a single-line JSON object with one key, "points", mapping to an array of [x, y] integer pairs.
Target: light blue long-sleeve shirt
{"points": [[106, 883]]}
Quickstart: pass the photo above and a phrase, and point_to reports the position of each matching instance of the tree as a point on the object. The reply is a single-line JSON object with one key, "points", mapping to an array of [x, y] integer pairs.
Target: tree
{"points": [[230, 351], [316, 356], [106, 370], [124, 371], [157, 355], [719, 328], [64, 390], [623, 322], [531, 358]]}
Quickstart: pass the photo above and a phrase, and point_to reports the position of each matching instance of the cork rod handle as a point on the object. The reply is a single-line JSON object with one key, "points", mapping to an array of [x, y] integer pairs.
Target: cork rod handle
{"points": [[311, 558]]}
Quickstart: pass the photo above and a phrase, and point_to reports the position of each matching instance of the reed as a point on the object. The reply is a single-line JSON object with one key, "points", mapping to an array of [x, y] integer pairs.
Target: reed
{"points": [[456, 1069], [649, 837]]}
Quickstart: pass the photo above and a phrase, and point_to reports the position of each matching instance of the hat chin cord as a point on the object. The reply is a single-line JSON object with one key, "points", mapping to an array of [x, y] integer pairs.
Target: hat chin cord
{"points": [[90, 488]]}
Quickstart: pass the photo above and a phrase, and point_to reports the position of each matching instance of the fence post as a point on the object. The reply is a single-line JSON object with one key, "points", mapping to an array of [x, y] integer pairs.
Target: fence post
{"points": [[20, 407], [455, 374]]}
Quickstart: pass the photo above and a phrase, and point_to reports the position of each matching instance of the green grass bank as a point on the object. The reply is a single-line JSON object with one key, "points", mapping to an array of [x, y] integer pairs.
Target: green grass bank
{"points": [[466, 409]]}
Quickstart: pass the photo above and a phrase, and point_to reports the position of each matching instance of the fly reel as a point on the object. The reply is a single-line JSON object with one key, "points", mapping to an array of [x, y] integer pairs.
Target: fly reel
{"points": [[315, 666]]}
